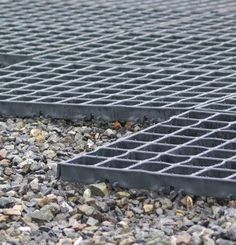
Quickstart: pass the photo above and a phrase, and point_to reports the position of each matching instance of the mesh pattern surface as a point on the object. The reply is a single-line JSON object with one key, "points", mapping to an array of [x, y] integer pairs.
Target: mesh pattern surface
{"points": [[171, 61]]}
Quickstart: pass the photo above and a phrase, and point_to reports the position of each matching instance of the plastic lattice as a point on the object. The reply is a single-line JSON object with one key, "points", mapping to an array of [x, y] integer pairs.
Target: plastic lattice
{"points": [[101, 85], [194, 151], [130, 60]]}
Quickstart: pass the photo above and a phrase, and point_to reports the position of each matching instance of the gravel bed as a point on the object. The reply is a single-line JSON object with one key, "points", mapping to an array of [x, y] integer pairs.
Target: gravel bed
{"points": [[35, 208]]}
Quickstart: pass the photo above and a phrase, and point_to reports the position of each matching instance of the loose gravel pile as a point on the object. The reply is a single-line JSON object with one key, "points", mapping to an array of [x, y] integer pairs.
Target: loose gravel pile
{"points": [[35, 208]]}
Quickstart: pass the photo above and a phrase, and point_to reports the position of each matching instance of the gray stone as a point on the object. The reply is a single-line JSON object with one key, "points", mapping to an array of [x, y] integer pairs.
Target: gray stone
{"points": [[231, 233], [86, 209], [91, 221], [166, 203], [5, 202], [221, 241], [42, 215]]}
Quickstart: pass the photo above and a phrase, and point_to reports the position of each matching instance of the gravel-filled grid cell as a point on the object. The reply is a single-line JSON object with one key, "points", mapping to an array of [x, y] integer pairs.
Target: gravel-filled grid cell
{"points": [[196, 145]]}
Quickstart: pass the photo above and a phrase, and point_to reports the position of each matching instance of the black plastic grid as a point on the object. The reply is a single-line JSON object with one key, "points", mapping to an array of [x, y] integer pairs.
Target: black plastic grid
{"points": [[32, 27], [194, 151], [130, 60], [52, 83], [206, 42]]}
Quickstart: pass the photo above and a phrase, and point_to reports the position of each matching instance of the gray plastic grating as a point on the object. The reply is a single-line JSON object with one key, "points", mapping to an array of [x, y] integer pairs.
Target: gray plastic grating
{"points": [[85, 88], [32, 27], [194, 151], [130, 60], [206, 42]]}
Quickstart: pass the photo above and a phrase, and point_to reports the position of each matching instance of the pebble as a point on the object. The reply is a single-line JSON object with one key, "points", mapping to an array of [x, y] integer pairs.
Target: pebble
{"points": [[25, 229], [121, 194], [231, 233], [148, 208], [86, 209], [34, 184], [181, 239], [12, 212], [91, 221], [42, 215], [166, 203], [87, 193], [109, 132], [6, 202], [99, 189]]}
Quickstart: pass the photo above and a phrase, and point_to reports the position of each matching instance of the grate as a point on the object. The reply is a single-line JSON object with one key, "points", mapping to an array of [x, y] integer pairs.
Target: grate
{"points": [[112, 89], [206, 42], [130, 60], [32, 27], [194, 152]]}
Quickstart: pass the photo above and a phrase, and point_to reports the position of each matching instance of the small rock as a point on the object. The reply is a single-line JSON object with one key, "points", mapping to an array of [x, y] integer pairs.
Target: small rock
{"points": [[159, 211], [91, 221], [3, 154], [215, 210], [157, 237], [86, 209], [99, 189], [110, 133], [231, 233], [87, 193], [5, 202], [148, 208], [122, 194], [90, 143], [137, 210], [47, 199], [12, 212], [187, 201], [3, 218], [25, 165], [166, 203], [78, 226], [44, 216], [208, 241], [69, 232], [181, 239], [78, 241], [38, 135], [196, 239], [25, 229], [129, 214], [8, 171], [221, 241], [179, 213], [129, 125], [128, 240], [34, 184], [232, 203], [65, 241], [116, 125]]}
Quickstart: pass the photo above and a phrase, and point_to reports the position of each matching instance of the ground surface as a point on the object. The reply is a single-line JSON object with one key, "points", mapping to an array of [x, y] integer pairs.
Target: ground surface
{"points": [[35, 208]]}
